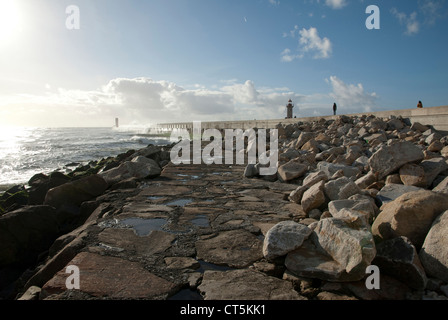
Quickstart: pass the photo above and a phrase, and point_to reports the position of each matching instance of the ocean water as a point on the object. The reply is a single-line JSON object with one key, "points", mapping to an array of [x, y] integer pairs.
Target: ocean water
{"points": [[27, 151]]}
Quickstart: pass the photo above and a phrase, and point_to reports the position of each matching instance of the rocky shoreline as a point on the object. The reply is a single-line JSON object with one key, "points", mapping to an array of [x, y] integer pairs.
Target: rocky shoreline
{"points": [[349, 193]]}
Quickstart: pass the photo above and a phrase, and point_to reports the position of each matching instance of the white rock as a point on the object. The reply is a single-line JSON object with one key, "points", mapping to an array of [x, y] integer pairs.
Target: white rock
{"points": [[284, 237]]}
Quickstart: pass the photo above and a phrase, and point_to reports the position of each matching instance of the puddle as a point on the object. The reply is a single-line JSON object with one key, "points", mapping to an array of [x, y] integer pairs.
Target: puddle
{"points": [[179, 202], [186, 294], [200, 221], [211, 266], [143, 227], [187, 175], [229, 181], [155, 197], [109, 248]]}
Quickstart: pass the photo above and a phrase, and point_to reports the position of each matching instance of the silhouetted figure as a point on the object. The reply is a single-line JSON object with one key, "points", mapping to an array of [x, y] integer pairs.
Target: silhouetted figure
{"points": [[419, 104], [334, 108]]}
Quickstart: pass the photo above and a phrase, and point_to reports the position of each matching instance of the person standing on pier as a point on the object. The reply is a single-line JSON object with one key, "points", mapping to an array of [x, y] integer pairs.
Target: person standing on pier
{"points": [[334, 108], [419, 104]]}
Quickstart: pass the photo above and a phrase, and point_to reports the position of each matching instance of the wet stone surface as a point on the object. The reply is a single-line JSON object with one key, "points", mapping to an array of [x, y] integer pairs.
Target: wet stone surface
{"points": [[199, 231], [190, 220]]}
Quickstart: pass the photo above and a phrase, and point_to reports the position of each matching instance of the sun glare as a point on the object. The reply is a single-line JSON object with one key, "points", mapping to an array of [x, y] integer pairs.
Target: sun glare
{"points": [[10, 20]]}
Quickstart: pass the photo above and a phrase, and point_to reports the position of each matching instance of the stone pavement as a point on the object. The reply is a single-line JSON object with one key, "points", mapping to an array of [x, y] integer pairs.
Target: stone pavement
{"points": [[194, 232]]}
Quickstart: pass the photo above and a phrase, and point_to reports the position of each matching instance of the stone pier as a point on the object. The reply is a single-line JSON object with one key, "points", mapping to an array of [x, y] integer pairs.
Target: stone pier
{"points": [[433, 116]]}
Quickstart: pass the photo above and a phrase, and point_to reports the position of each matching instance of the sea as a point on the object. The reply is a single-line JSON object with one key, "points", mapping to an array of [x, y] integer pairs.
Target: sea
{"points": [[25, 152]]}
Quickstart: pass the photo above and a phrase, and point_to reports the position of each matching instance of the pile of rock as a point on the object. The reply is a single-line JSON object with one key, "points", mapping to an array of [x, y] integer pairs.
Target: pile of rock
{"points": [[375, 193], [32, 216]]}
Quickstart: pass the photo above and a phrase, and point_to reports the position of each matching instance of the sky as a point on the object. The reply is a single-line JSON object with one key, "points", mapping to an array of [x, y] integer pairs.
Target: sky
{"points": [[84, 63]]}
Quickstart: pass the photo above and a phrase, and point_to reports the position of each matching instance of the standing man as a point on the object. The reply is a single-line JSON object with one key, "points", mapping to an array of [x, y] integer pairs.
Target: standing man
{"points": [[334, 108]]}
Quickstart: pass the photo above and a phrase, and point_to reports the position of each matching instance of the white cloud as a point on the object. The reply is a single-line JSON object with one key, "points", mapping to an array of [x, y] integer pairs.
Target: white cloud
{"points": [[145, 101], [336, 4], [311, 42], [352, 98], [409, 21], [286, 56], [431, 10], [274, 2]]}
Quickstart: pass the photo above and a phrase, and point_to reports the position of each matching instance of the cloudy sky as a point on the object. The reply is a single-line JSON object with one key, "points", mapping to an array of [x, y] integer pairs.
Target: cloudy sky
{"points": [[152, 61]]}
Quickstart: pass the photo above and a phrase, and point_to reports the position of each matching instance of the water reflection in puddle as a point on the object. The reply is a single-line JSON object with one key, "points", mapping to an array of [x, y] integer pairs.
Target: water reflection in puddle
{"points": [[143, 227], [154, 197], [179, 202], [186, 294], [200, 221], [187, 175], [211, 266]]}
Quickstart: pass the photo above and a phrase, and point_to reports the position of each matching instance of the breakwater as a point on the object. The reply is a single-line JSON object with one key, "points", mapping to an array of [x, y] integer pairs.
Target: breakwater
{"points": [[356, 210], [437, 117]]}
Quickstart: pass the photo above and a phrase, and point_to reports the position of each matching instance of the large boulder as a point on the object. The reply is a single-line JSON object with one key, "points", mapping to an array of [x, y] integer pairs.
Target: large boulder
{"points": [[150, 151], [394, 124], [335, 151], [412, 174], [442, 186], [389, 158], [284, 237], [366, 180], [291, 170], [433, 136], [76, 192], [314, 197], [444, 151], [337, 250], [331, 168], [139, 167], [25, 233], [311, 145], [303, 138], [314, 177], [363, 206], [410, 215], [392, 191], [432, 168], [41, 183], [434, 252], [251, 171], [341, 188], [417, 126], [296, 195], [398, 258], [13, 199]]}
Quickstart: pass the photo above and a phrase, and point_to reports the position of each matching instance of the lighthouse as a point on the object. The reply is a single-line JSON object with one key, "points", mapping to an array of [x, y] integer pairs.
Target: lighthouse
{"points": [[289, 107]]}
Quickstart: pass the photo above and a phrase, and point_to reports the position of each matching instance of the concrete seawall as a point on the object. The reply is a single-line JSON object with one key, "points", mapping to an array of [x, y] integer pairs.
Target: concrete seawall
{"points": [[433, 116]]}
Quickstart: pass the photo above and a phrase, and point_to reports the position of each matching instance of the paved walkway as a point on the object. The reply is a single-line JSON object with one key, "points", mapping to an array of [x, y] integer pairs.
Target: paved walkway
{"points": [[174, 236]]}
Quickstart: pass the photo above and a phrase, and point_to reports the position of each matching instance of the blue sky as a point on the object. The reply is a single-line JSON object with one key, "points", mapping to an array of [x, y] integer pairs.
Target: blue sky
{"points": [[150, 61]]}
